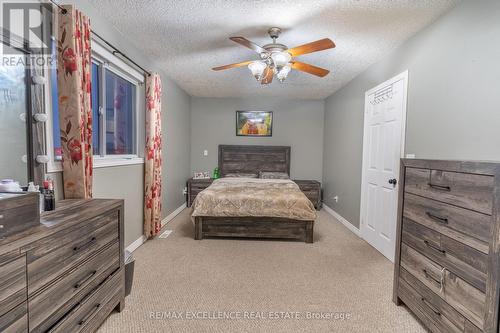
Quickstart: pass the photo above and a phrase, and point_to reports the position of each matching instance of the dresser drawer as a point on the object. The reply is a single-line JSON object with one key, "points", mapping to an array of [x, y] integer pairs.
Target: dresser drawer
{"points": [[198, 186], [101, 299], [12, 281], [467, 300], [192, 195], [465, 190], [16, 320], [429, 307], [308, 185], [194, 192], [466, 226], [52, 256], [312, 195], [462, 260], [44, 306]]}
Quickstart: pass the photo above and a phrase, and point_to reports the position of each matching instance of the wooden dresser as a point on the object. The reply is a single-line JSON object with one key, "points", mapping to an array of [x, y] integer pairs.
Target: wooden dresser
{"points": [[195, 186], [312, 190], [448, 244], [66, 274]]}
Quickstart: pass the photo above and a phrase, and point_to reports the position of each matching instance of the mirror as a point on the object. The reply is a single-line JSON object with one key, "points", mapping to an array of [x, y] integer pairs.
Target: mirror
{"points": [[15, 124]]}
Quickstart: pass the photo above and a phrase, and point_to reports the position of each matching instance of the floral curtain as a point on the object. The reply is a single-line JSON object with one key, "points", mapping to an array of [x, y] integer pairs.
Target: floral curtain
{"points": [[152, 165], [75, 109]]}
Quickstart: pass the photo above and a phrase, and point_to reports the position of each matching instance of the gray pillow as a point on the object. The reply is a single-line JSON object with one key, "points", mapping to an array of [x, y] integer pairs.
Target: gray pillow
{"points": [[241, 175], [273, 175]]}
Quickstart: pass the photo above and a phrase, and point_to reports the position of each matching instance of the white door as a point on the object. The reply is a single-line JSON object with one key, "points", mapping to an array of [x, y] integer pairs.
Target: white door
{"points": [[383, 146]]}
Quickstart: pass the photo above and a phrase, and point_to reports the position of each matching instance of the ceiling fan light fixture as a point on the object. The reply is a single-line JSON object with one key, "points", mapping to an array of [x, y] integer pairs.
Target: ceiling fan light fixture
{"points": [[257, 68], [283, 72], [281, 59]]}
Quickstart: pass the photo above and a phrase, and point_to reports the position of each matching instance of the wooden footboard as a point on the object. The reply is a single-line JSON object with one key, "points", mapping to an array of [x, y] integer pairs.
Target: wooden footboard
{"points": [[254, 227]]}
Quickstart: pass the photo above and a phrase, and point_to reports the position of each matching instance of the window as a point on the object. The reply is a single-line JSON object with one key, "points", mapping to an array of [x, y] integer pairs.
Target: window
{"points": [[119, 123], [114, 111], [95, 108]]}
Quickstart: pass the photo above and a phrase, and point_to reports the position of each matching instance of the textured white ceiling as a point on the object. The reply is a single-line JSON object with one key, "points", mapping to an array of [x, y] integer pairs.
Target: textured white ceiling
{"points": [[189, 37]]}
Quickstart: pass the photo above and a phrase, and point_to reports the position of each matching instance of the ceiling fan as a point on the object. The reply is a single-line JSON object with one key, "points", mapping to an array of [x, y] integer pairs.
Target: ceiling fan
{"points": [[277, 59]]}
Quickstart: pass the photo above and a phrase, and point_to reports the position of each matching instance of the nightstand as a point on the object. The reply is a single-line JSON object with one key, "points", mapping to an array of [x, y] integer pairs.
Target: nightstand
{"points": [[312, 190], [195, 186]]}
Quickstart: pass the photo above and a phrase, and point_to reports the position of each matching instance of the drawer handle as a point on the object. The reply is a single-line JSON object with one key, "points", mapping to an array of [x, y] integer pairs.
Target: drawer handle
{"points": [[85, 279], [440, 187], [434, 247], [89, 315], [427, 275], [440, 219], [430, 306], [84, 245]]}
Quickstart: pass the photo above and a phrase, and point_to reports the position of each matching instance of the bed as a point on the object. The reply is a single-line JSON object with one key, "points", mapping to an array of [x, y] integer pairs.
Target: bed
{"points": [[252, 207]]}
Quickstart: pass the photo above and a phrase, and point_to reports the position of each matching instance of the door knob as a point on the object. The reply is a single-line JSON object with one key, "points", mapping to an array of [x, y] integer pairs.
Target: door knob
{"points": [[393, 181]]}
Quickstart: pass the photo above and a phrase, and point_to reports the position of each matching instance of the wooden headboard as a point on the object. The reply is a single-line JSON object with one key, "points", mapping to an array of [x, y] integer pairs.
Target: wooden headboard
{"points": [[252, 159]]}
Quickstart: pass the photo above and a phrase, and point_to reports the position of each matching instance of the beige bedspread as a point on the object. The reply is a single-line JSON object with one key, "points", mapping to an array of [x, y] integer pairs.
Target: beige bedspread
{"points": [[254, 197]]}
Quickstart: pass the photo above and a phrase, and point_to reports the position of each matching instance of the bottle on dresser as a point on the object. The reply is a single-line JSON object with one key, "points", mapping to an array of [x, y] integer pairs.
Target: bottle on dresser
{"points": [[49, 199]]}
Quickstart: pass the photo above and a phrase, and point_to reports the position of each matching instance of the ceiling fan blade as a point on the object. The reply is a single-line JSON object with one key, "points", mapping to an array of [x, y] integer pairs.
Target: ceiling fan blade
{"points": [[268, 75], [248, 44], [240, 64], [318, 71], [319, 45]]}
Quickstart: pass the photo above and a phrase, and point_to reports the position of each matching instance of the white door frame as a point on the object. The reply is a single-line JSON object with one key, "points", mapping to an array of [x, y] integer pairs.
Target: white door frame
{"points": [[401, 76]]}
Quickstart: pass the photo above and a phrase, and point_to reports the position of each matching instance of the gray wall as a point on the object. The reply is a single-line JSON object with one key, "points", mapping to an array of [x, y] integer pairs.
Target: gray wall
{"points": [[296, 123], [453, 100], [176, 136], [127, 181]]}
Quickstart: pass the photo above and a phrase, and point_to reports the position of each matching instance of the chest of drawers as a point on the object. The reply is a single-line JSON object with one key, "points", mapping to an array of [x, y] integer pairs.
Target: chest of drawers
{"points": [[195, 186], [448, 244], [312, 190], [66, 274]]}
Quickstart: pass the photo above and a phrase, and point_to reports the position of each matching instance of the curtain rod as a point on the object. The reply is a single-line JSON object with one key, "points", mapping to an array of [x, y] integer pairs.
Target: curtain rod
{"points": [[115, 50], [63, 10]]}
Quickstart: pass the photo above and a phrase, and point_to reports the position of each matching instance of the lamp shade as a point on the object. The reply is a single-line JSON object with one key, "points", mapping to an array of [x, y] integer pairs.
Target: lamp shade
{"points": [[280, 59], [283, 72], [257, 68]]}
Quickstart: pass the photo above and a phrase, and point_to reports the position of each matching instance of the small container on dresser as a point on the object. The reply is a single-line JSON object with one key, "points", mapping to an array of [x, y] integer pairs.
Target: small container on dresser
{"points": [[195, 186], [448, 244], [312, 190]]}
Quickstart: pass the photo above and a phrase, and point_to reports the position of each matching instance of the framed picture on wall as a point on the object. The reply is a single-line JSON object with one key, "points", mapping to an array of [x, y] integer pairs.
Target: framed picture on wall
{"points": [[254, 123]]}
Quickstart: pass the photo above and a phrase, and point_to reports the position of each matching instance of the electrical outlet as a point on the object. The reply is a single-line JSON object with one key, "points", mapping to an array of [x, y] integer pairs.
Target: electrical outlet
{"points": [[336, 198], [184, 191], [205, 152]]}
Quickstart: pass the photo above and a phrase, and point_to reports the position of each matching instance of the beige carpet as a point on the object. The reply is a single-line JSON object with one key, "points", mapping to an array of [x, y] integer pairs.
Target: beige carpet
{"points": [[234, 285]]}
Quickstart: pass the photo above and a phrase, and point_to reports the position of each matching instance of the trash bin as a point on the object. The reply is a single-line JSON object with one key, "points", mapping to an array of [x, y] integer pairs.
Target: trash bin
{"points": [[129, 272]]}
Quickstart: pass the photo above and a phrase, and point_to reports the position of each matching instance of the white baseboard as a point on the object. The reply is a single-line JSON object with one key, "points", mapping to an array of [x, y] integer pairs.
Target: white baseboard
{"points": [[342, 220], [173, 214], [135, 244], [141, 240]]}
